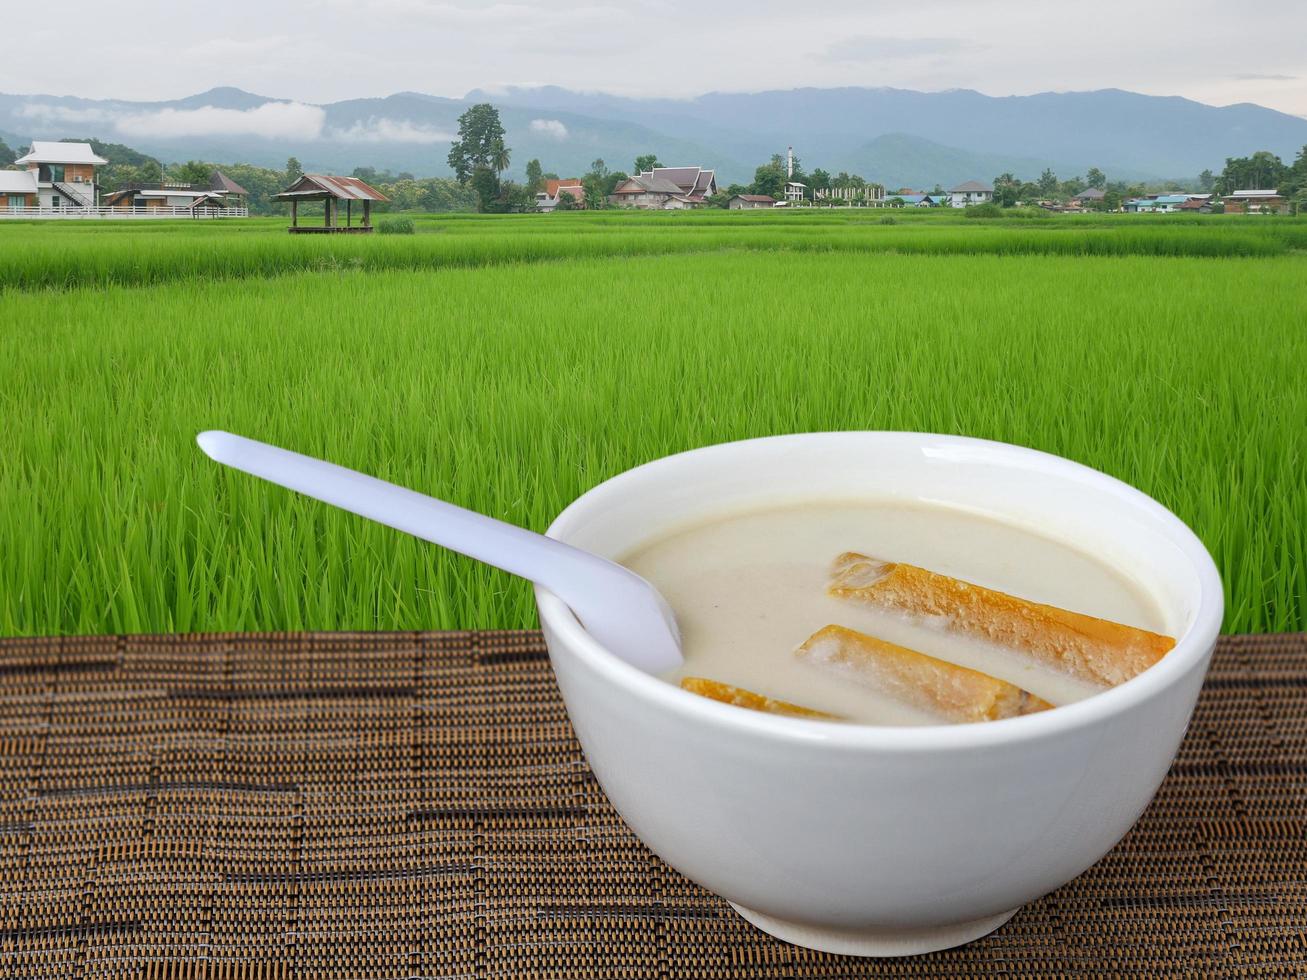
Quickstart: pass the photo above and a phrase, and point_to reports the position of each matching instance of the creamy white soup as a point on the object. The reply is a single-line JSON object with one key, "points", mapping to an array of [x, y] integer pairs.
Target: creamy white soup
{"points": [[750, 588]]}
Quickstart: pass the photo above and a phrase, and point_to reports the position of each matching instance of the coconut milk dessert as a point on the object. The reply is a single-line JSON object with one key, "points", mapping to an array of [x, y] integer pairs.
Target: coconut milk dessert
{"points": [[911, 593]]}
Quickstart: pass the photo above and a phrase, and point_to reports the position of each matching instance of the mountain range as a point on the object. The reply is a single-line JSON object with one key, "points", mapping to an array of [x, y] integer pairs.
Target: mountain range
{"points": [[896, 136]]}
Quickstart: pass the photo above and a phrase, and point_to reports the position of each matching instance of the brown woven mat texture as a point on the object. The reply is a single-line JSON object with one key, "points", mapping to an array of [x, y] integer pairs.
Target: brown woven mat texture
{"points": [[415, 805]]}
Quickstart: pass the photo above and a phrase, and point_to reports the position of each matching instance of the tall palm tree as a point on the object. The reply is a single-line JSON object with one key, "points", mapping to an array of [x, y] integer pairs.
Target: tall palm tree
{"points": [[499, 156]]}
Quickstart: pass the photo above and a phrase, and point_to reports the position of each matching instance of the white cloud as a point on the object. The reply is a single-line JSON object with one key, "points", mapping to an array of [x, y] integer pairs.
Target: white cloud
{"points": [[273, 120], [552, 128], [448, 13], [870, 48], [323, 50], [224, 50], [385, 130], [45, 112]]}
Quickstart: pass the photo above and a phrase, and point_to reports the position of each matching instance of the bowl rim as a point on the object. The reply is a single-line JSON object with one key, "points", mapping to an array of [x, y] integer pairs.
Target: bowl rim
{"points": [[1190, 649]]}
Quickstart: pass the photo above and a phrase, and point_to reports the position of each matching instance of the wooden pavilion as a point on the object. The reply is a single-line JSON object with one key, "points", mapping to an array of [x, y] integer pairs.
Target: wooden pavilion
{"points": [[331, 191]]}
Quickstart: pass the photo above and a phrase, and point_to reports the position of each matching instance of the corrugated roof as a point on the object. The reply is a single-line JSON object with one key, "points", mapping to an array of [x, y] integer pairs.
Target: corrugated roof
{"points": [[1270, 193], [17, 182], [219, 181], [341, 188], [649, 183], [1091, 194], [760, 198], [972, 187], [551, 186], [48, 152], [683, 177], [172, 192]]}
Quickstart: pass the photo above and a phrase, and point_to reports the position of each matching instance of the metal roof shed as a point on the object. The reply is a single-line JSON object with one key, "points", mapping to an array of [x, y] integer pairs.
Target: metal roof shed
{"points": [[331, 191], [219, 181]]}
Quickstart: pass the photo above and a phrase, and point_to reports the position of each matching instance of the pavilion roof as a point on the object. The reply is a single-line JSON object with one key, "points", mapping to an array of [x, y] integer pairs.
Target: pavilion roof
{"points": [[319, 186]]}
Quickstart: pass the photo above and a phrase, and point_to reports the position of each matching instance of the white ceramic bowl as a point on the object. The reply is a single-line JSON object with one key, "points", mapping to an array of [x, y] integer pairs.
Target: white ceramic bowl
{"points": [[867, 839]]}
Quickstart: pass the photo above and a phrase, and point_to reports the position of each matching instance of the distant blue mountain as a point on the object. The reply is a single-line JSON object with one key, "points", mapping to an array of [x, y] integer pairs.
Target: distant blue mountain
{"points": [[894, 136], [899, 160], [1130, 134]]}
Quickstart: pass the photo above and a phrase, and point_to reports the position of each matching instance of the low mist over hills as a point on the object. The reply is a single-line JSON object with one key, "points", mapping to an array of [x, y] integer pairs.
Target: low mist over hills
{"points": [[893, 136]]}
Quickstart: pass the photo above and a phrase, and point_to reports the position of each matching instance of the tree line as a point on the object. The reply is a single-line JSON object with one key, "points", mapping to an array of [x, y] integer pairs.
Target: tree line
{"points": [[480, 156], [128, 167], [1262, 170]]}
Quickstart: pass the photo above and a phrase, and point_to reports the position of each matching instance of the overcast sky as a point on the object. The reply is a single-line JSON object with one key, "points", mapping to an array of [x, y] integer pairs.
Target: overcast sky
{"points": [[325, 50]]}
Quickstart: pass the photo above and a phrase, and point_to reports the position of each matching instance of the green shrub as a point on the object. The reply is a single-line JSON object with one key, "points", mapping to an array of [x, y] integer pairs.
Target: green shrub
{"points": [[395, 226], [983, 211], [888, 219]]}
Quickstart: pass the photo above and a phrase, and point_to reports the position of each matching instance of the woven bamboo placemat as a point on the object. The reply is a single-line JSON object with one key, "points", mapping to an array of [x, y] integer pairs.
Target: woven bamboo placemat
{"points": [[415, 805]]}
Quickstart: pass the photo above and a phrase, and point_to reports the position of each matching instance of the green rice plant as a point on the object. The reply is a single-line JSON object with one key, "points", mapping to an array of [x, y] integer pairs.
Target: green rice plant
{"points": [[396, 226], [68, 254], [509, 368]]}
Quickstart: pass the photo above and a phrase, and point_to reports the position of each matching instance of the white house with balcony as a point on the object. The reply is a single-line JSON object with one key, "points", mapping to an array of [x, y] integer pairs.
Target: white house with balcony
{"points": [[65, 174], [60, 183], [969, 193]]}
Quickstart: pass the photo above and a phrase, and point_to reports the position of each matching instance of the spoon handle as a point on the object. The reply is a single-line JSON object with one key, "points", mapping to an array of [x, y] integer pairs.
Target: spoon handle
{"points": [[598, 590], [506, 546]]}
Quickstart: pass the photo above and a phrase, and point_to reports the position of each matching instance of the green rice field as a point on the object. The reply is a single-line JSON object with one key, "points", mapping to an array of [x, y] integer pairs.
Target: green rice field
{"points": [[509, 363]]}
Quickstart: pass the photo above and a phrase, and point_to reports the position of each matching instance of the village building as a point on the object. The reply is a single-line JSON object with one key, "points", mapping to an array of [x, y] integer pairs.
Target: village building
{"points": [[52, 190], [746, 202], [232, 193], [1169, 202], [795, 191], [1256, 202], [648, 193], [547, 199], [18, 190], [221, 196], [1090, 196], [868, 195], [1159, 203], [209, 206], [331, 191], [969, 193], [919, 200], [666, 189], [695, 182], [64, 173]]}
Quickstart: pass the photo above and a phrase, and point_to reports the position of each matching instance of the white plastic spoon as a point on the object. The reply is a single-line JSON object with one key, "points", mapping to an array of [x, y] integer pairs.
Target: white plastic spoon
{"points": [[617, 607]]}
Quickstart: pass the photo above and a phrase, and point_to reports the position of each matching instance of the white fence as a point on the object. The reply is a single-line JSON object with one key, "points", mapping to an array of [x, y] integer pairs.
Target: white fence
{"points": [[157, 212]]}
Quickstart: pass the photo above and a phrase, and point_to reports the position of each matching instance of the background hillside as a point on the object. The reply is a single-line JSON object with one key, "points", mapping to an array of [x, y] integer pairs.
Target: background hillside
{"points": [[895, 136]]}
